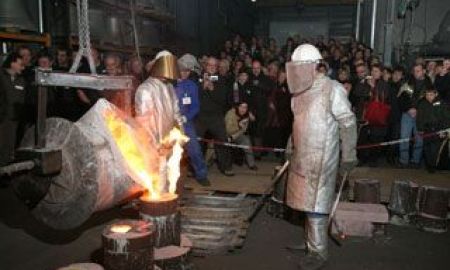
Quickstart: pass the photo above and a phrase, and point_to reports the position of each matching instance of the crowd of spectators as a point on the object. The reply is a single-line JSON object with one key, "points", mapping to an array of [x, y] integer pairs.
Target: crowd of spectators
{"points": [[243, 98]]}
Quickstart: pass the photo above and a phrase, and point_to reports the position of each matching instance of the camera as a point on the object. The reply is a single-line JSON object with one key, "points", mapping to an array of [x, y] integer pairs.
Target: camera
{"points": [[213, 78]]}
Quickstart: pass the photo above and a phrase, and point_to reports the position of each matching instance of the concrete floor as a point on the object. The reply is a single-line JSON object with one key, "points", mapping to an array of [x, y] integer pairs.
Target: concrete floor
{"points": [[402, 248], [27, 245]]}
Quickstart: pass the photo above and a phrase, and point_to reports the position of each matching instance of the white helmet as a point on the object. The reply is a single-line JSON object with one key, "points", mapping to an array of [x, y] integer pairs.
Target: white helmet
{"points": [[306, 53]]}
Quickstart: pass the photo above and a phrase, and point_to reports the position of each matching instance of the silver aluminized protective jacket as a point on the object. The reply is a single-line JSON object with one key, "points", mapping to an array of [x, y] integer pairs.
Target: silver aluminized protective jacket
{"points": [[158, 112], [157, 108], [319, 113]]}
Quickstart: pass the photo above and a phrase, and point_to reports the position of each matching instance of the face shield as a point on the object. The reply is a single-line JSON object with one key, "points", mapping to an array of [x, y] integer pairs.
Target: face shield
{"points": [[300, 75], [165, 67]]}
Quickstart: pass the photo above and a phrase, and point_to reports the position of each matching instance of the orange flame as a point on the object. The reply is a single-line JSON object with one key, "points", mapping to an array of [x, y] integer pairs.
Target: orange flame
{"points": [[142, 158]]}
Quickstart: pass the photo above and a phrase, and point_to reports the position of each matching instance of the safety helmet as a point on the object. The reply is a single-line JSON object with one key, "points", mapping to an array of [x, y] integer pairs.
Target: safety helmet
{"points": [[306, 53], [189, 62]]}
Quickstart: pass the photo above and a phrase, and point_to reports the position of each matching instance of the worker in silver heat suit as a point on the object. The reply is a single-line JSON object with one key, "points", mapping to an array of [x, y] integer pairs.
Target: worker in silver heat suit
{"points": [[156, 107], [322, 119]]}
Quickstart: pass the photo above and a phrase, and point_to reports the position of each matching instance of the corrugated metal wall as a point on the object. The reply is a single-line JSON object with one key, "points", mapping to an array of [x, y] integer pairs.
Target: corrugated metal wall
{"points": [[201, 25], [417, 28], [334, 21]]}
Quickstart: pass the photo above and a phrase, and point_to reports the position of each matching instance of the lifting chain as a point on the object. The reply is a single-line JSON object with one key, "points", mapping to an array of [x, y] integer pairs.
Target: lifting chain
{"points": [[84, 40]]}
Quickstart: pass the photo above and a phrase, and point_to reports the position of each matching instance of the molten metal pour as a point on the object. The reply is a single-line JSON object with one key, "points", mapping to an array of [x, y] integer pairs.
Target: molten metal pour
{"points": [[155, 166]]}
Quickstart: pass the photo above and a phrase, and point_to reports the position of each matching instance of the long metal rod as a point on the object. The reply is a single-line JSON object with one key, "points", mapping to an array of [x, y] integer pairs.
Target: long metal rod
{"points": [[358, 20], [338, 198], [41, 117], [266, 193], [333, 211], [41, 17], [374, 20]]}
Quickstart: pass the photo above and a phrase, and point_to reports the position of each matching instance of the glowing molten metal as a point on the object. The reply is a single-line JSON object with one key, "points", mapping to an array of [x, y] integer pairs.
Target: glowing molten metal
{"points": [[142, 158], [120, 228]]}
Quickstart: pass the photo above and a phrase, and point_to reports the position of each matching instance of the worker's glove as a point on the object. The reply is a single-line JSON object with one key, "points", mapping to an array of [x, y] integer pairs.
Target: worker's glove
{"points": [[445, 134], [348, 136]]}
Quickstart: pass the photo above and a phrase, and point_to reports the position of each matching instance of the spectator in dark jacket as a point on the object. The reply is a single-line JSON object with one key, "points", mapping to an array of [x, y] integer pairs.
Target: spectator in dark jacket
{"points": [[242, 90], [225, 75], [261, 86], [213, 105], [12, 99], [398, 79], [280, 117], [442, 81], [408, 96], [432, 116], [361, 91]]}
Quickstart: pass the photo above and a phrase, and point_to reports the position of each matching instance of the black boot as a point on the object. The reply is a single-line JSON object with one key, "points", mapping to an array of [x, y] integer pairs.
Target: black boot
{"points": [[312, 261], [297, 248]]}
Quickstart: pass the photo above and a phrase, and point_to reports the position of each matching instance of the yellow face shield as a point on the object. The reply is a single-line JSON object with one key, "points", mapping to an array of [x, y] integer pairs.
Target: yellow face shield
{"points": [[165, 67]]}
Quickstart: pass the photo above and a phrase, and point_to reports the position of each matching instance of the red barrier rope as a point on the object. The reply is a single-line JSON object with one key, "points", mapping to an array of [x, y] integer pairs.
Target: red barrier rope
{"points": [[365, 146]]}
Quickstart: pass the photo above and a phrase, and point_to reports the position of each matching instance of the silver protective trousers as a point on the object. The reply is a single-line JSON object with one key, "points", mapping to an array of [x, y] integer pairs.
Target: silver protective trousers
{"points": [[316, 231]]}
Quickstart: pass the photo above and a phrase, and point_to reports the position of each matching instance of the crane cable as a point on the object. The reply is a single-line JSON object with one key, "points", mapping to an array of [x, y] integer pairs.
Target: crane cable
{"points": [[84, 39], [135, 34]]}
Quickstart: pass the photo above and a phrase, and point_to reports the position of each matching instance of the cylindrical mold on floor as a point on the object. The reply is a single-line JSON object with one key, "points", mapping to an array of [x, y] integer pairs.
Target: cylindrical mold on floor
{"points": [[367, 191], [128, 245], [403, 198], [433, 208], [164, 215]]}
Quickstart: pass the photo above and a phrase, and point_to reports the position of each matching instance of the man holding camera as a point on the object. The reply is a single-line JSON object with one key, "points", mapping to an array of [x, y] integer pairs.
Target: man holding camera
{"points": [[213, 105]]}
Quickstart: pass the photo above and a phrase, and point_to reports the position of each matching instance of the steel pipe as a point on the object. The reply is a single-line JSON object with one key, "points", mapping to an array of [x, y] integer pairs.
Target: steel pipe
{"points": [[358, 19], [374, 20]]}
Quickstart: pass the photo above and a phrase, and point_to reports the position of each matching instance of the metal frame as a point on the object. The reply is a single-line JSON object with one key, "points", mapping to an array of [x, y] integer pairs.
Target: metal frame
{"points": [[96, 82], [45, 78]]}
